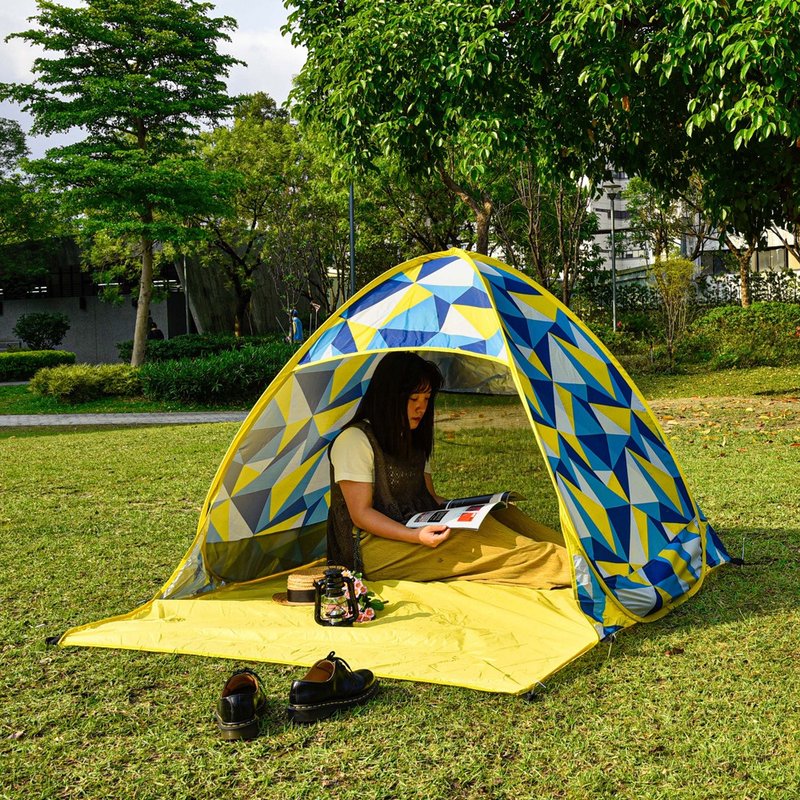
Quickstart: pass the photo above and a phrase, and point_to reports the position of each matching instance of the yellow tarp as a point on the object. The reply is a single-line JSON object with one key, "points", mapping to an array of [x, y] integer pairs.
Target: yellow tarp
{"points": [[487, 637]]}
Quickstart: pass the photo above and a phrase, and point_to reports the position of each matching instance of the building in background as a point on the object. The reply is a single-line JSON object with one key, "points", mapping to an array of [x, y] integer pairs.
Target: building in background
{"points": [[631, 262], [95, 326]]}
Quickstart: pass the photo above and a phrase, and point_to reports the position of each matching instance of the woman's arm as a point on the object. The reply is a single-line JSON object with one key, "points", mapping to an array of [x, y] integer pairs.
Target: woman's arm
{"points": [[358, 497]]}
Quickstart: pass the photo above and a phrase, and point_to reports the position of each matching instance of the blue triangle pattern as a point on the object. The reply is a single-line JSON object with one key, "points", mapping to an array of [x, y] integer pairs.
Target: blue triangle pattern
{"points": [[434, 265], [344, 342], [397, 283], [442, 307], [401, 337], [474, 298]]}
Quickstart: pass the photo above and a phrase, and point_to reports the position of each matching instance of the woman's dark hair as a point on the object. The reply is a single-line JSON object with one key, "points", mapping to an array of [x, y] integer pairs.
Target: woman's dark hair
{"points": [[385, 403]]}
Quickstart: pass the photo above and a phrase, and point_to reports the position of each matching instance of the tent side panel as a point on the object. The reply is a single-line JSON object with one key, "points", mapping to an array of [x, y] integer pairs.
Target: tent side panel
{"points": [[627, 505]]}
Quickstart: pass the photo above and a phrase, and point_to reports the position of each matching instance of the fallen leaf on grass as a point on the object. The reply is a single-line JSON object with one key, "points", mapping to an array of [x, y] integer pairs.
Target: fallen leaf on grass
{"points": [[16, 736]]}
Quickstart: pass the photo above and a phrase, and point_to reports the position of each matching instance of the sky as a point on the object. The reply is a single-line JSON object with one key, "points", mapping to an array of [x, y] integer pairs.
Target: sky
{"points": [[272, 62]]}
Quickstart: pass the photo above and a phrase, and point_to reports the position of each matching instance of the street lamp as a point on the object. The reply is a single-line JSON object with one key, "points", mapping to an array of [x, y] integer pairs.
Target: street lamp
{"points": [[352, 216], [612, 191]]}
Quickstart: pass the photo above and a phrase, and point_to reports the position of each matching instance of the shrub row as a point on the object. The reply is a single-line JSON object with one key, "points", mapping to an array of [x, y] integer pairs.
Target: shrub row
{"points": [[235, 376], [82, 382], [763, 334], [20, 365], [201, 346]]}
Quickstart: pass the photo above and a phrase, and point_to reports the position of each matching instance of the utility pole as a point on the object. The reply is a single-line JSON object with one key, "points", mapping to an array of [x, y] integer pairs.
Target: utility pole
{"points": [[352, 243], [612, 191]]}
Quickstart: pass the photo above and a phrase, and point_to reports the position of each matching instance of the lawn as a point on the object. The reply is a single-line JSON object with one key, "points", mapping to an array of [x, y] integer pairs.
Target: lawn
{"points": [[704, 703], [19, 400]]}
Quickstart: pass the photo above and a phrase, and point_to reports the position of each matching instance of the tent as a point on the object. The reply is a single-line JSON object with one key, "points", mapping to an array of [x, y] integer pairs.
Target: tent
{"points": [[638, 541]]}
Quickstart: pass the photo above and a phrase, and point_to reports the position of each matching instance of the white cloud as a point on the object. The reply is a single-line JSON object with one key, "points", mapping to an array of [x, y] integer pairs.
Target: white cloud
{"points": [[272, 63]]}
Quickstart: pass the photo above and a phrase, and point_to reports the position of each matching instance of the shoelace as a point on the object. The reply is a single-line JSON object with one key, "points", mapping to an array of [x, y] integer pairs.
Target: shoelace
{"points": [[337, 660]]}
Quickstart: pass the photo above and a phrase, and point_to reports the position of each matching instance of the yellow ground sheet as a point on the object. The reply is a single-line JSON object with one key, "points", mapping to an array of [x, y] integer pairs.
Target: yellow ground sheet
{"points": [[487, 637]]}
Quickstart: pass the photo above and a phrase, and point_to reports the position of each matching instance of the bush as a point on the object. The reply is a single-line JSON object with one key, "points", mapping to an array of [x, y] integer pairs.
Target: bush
{"points": [[235, 376], [764, 334], [83, 382], [42, 330], [637, 355], [20, 365], [200, 346]]}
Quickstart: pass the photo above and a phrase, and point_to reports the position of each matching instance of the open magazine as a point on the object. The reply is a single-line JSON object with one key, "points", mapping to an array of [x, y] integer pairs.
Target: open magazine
{"points": [[463, 512]]}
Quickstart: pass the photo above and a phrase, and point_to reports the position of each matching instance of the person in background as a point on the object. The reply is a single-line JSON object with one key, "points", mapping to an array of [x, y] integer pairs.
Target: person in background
{"points": [[297, 328], [155, 332], [381, 476]]}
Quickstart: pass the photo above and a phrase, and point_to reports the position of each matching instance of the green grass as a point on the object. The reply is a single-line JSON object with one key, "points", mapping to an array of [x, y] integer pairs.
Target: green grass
{"points": [[701, 704], [19, 400], [758, 381]]}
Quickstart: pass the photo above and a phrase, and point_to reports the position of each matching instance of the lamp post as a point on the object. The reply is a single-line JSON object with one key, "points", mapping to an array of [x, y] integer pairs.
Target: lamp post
{"points": [[612, 191], [352, 216], [186, 295]]}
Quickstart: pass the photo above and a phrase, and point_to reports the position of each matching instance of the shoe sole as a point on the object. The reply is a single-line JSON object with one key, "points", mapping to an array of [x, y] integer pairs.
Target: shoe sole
{"points": [[318, 711], [233, 731]]}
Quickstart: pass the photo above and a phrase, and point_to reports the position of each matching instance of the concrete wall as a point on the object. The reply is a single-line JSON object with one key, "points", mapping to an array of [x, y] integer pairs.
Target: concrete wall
{"points": [[94, 332]]}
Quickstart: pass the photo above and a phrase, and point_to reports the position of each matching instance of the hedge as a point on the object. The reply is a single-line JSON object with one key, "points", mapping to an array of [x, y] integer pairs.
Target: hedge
{"points": [[235, 376], [20, 365], [82, 382], [195, 345], [763, 334]]}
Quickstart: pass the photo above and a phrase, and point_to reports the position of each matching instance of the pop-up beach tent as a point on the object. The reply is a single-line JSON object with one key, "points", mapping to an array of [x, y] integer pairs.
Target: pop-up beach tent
{"points": [[638, 541]]}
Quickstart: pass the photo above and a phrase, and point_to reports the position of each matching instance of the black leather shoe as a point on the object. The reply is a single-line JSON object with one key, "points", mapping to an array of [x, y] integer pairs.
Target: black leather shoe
{"points": [[329, 686], [242, 702]]}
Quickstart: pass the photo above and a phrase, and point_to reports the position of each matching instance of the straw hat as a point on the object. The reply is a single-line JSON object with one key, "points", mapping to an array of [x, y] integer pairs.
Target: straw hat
{"points": [[300, 586]]}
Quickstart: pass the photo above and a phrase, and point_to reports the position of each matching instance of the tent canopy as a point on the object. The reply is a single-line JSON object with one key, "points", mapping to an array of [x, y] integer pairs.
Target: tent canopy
{"points": [[638, 541]]}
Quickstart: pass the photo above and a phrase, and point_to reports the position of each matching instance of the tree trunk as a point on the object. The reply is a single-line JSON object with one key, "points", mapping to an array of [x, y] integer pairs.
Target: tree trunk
{"points": [[243, 297], [482, 219], [143, 304], [744, 280], [743, 256], [482, 209]]}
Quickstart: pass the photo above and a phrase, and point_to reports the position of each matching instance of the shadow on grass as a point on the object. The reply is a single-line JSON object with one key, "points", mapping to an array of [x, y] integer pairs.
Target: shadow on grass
{"points": [[733, 602], [772, 392]]}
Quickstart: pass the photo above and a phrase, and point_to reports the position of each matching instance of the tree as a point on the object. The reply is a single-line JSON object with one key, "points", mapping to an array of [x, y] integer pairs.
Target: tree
{"points": [[673, 279], [705, 87], [138, 76], [659, 220], [439, 85], [29, 223], [545, 228], [260, 150], [12, 146]]}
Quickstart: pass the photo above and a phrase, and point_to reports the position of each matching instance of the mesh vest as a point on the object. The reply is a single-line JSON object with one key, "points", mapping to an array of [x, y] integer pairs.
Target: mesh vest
{"points": [[398, 492]]}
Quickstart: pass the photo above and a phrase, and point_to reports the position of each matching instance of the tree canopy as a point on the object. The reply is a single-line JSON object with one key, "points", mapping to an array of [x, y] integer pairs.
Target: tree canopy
{"points": [[663, 89], [138, 76]]}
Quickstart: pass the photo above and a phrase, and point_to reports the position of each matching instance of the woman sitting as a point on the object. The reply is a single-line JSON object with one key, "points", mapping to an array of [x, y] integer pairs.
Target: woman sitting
{"points": [[381, 476]]}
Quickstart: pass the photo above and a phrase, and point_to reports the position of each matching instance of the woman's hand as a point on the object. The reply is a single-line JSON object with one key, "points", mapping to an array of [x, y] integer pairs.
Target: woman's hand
{"points": [[358, 497], [433, 535]]}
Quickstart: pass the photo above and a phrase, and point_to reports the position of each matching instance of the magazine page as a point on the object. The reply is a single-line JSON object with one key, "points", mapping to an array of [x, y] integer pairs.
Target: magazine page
{"points": [[461, 517]]}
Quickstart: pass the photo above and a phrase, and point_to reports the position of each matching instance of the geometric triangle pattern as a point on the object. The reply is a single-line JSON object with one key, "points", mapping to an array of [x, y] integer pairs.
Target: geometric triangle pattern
{"points": [[639, 543], [441, 304], [638, 527]]}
